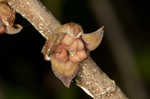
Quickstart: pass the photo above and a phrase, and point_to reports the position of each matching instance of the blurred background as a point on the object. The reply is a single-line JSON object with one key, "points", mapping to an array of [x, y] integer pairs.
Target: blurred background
{"points": [[124, 53]]}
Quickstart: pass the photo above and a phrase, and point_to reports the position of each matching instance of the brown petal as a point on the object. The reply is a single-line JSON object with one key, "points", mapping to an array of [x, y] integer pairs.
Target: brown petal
{"points": [[7, 14], [71, 28], [74, 57], [53, 40], [82, 54], [61, 54], [2, 28], [67, 40], [64, 71], [93, 40], [13, 29]]}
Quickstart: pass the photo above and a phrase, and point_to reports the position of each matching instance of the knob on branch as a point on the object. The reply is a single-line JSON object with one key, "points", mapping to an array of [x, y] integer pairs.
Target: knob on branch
{"points": [[67, 48]]}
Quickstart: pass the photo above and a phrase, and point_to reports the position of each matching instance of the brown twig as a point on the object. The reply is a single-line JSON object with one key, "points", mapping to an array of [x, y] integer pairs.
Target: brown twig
{"points": [[37, 15], [90, 78]]}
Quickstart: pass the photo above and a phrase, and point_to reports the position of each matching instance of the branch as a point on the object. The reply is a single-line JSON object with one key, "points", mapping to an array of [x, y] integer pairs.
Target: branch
{"points": [[90, 78], [37, 15]]}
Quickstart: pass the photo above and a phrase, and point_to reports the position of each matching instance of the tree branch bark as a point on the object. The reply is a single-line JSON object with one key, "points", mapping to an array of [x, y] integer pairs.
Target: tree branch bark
{"points": [[37, 15], [90, 77]]}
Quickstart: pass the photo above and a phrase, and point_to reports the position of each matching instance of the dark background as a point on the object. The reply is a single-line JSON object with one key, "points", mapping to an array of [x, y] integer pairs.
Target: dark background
{"points": [[25, 75]]}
